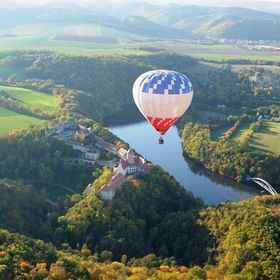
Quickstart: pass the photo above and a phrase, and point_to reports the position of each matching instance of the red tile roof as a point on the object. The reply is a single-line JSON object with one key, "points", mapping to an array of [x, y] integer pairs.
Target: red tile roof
{"points": [[114, 183]]}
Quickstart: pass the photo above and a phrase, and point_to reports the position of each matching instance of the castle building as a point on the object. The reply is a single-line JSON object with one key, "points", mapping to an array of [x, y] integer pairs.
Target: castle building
{"points": [[131, 164], [128, 165], [108, 191]]}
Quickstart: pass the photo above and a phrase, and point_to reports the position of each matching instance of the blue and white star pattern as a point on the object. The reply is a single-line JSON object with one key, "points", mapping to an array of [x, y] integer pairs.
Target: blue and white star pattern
{"points": [[162, 96], [166, 82]]}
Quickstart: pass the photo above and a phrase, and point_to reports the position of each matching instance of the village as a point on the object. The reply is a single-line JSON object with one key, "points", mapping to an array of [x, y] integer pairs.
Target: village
{"points": [[124, 162]]}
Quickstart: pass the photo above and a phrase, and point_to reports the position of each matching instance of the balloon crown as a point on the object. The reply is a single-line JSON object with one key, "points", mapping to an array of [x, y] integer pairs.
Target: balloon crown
{"points": [[165, 82]]}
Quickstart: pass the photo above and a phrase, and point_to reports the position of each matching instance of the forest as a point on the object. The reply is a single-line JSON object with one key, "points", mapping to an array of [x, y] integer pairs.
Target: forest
{"points": [[137, 237], [228, 158]]}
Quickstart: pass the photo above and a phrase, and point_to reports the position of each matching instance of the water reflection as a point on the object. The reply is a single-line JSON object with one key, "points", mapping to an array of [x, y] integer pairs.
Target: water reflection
{"points": [[212, 188]]}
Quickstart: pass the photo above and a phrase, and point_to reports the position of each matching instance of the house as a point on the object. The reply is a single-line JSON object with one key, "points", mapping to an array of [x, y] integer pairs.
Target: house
{"points": [[70, 124], [221, 106], [263, 118], [63, 130], [58, 128], [87, 162], [106, 145], [122, 153], [92, 155], [131, 164], [108, 191], [80, 147], [83, 131], [63, 125]]}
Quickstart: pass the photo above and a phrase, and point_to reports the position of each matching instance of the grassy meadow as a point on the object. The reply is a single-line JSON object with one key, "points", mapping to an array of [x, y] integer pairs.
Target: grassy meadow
{"points": [[10, 120], [127, 44], [267, 138], [31, 98]]}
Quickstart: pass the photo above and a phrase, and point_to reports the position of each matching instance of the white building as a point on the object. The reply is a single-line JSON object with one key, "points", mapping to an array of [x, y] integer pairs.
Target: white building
{"points": [[92, 155], [128, 165], [131, 164], [80, 147]]}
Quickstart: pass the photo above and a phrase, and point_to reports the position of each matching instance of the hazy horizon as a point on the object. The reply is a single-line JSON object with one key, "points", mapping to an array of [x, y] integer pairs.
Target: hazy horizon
{"points": [[182, 2]]}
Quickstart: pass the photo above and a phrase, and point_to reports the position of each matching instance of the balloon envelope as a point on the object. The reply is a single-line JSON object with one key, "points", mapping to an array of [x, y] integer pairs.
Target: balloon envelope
{"points": [[162, 96]]}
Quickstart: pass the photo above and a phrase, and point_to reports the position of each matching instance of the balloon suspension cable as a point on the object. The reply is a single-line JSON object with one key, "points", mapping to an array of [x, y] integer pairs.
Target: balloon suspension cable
{"points": [[160, 140]]}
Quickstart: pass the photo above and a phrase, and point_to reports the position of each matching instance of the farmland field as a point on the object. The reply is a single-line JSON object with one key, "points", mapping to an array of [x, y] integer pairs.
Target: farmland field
{"points": [[31, 98], [267, 138], [12, 120], [69, 47], [240, 132], [128, 44], [217, 52]]}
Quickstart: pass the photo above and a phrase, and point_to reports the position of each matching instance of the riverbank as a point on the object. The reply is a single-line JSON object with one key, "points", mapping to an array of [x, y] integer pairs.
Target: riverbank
{"points": [[212, 188]]}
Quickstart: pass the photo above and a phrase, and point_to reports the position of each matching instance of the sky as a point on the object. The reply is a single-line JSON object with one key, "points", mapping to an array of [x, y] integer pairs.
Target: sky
{"points": [[205, 2], [261, 5]]}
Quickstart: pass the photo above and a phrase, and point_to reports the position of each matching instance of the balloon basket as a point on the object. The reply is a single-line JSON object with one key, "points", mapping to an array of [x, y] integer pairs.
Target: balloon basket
{"points": [[160, 141]]}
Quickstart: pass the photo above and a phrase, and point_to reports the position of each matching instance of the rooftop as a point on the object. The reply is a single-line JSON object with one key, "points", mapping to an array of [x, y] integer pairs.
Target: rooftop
{"points": [[114, 183]]}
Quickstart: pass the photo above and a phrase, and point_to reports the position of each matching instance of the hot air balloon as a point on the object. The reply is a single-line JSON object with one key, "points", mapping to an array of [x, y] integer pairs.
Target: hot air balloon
{"points": [[162, 96]]}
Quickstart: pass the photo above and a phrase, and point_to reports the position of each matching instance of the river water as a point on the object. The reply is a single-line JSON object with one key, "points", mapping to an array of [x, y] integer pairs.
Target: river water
{"points": [[212, 188]]}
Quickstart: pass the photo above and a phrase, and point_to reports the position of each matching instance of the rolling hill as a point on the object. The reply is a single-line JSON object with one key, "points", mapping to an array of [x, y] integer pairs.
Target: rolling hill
{"points": [[230, 23], [152, 21], [220, 22], [54, 18]]}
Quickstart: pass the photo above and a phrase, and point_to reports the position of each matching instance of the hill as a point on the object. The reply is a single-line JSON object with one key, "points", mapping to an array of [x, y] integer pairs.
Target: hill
{"points": [[40, 20], [219, 22], [244, 241], [18, 202], [230, 23], [142, 19]]}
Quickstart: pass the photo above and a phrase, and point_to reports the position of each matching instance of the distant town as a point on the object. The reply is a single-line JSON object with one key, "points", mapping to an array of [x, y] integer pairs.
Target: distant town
{"points": [[258, 45]]}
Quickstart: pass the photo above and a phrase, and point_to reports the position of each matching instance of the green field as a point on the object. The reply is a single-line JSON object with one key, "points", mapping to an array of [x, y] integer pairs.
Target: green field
{"points": [[217, 52], [267, 138], [128, 44], [11, 120], [31, 98], [43, 38], [240, 132], [69, 47]]}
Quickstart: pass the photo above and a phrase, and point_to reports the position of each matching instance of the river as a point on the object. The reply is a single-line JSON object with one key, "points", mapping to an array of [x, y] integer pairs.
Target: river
{"points": [[212, 188]]}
